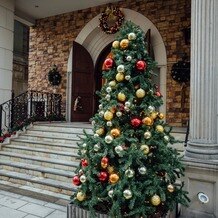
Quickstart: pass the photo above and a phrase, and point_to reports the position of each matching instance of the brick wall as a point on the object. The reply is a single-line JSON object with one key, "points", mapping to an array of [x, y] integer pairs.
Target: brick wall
{"points": [[51, 39]]}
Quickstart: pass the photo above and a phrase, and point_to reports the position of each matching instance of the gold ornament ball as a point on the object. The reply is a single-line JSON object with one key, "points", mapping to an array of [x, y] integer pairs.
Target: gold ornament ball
{"points": [[120, 77], [116, 44], [159, 128], [147, 135], [170, 188], [110, 169], [147, 121], [100, 131], [113, 110], [140, 93], [108, 115], [112, 83], [121, 97], [80, 196], [161, 115], [115, 132], [124, 43], [155, 200], [113, 178], [145, 149], [154, 115]]}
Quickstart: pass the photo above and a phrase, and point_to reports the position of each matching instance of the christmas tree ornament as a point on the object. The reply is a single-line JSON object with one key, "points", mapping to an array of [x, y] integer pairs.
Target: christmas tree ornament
{"points": [[118, 149], [141, 65], [153, 115], [170, 188], [113, 178], [121, 97], [108, 63], [126, 109], [166, 138], [82, 178], [161, 115], [101, 113], [155, 200], [108, 97], [80, 196], [127, 77], [119, 77], [93, 123], [113, 109], [108, 115], [109, 123], [145, 149], [136, 122], [112, 83], [84, 163], [124, 43], [100, 131], [147, 121], [120, 68], [83, 151], [110, 193], [159, 128], [84, 145], [151, 109], [131, 36], [96, 135], [110, 169], [108, 89], [102, 176], [100, 106], [119, 114], [147, 135], [140, 93], [142, 170], [115, 132], [127, 194], [158, 94], [108, 139], [116, 44], [104, 162], [129, 173], [129, 58], [127, 104], [76, 180], [80, 172], [97, 147]]}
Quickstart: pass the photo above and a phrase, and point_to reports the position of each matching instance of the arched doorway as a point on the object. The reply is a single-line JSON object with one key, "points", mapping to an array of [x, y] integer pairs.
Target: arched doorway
{"points": [[95, 41]]}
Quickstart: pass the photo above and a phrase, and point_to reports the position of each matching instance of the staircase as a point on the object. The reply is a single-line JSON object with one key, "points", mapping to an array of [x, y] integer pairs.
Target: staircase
{"points": [[43, 158]]}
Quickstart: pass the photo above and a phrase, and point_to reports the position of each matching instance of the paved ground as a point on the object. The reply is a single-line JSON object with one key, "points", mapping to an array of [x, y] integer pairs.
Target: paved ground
{"points": [[29, 205]]}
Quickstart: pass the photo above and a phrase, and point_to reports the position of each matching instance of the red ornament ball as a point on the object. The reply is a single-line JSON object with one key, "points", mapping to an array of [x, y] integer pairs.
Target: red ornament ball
{"points": [[158, 94], [84, 163], [76, 180], [136, 122], [102, 176], [108, 63], [141, 65], [104, 160]]}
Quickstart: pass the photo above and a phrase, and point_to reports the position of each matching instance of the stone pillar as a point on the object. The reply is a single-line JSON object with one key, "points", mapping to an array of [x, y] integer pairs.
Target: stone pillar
{"points": [[203, 113], [201, 155], [6, 48]]}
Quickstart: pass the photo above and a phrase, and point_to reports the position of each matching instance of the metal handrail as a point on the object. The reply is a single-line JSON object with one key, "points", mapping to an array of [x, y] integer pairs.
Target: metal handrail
{"points": [[29, 107]]}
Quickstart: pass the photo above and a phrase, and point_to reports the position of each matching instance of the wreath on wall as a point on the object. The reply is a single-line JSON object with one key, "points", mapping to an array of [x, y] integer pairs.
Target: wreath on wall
{"points": [[111, 20], [54, 77], [181, 71]]}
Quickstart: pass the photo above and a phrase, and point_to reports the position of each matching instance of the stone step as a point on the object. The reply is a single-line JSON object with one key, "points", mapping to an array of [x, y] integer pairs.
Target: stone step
{"points": [[35, 170], [40, 161], [41, 152], [37, 182]]}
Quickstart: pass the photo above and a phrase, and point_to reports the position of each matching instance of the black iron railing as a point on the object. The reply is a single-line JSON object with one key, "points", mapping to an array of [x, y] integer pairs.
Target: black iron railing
{"points": [[29, 107]]}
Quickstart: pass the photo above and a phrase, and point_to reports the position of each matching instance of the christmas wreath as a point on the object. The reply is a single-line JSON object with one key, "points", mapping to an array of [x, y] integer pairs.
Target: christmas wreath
{"points": [[111, 20], [54, 77], [181, 71]]}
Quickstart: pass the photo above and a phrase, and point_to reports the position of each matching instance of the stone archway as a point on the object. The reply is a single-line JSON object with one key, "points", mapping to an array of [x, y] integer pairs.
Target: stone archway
{"points": [[94, 40]]}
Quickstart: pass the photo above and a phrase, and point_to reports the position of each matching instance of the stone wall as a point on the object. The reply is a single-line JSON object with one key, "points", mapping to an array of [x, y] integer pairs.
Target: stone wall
{"points": [[51, 39]]}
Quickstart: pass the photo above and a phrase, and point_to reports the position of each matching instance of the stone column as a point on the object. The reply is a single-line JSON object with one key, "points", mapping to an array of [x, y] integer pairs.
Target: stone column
{"points": [[6, 48], [203, 113]]}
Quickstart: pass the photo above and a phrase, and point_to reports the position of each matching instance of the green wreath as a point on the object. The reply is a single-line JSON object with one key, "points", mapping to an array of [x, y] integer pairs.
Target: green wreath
{"points": [[54, 77], [181, 71]]}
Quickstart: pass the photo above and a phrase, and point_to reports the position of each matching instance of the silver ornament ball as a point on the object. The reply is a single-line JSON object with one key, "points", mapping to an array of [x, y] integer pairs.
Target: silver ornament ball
{"points": [[83, 178], [108, 139], [142, 170], [127, 194], [120, 68], [110, 193]]}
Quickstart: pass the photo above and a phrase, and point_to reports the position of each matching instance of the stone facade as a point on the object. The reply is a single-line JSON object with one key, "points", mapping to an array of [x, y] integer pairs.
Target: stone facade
{"points": [[51, 40]]}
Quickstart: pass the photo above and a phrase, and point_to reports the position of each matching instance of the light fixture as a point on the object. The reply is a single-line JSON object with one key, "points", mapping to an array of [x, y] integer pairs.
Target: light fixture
{"points": [[203, 198]]}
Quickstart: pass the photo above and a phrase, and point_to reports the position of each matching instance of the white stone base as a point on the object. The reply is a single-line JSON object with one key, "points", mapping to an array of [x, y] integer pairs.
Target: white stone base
{"points": [[201, 176]]}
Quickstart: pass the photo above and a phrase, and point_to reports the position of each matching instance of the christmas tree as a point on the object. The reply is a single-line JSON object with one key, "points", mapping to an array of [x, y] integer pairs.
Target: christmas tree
{"points": [[127, 168]]}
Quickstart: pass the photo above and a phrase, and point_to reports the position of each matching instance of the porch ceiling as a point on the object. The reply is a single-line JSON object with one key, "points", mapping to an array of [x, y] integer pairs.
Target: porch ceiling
{"points": [[36, 9]]}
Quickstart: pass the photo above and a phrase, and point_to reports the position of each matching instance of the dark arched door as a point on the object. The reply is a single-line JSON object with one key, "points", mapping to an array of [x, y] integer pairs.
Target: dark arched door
{"points": [[83, 85]]}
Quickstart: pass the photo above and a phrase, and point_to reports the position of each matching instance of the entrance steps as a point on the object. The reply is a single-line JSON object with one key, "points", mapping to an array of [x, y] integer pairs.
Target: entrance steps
{"points": [[43, 159]]}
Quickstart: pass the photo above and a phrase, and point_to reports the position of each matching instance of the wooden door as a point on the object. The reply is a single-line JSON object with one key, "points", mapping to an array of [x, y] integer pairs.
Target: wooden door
{"points": [[83, 85]]}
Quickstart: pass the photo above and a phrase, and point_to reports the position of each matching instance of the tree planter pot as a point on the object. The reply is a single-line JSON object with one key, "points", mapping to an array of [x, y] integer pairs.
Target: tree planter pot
{"points": [[75, 212]]}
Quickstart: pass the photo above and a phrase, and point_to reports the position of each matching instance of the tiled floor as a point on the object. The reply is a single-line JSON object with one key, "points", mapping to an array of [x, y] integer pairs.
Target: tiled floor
{"points": [[14, 205]]}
